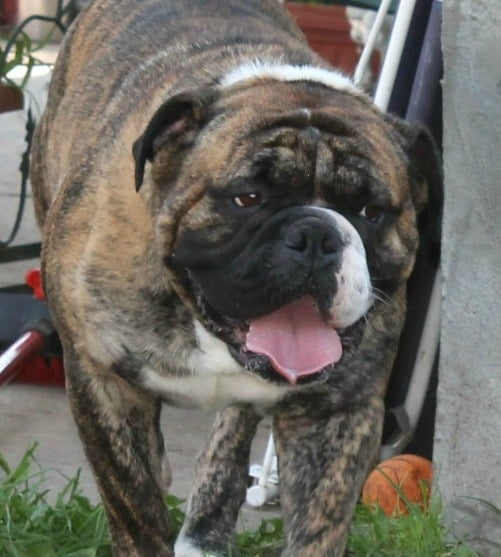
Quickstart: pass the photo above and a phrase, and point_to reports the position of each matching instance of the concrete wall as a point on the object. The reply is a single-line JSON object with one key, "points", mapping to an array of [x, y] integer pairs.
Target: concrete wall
{"points": [[468, 433]]}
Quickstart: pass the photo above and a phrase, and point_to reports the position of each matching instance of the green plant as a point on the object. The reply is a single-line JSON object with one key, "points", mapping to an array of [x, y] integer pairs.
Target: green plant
{"points": [[17, 48], [37, 523], [266, 541], [17, 51], [418, 534], [33, 526]]}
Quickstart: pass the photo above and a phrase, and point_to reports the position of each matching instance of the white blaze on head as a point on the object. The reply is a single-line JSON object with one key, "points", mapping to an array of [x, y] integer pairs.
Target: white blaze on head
{"points": [[274, 69]]}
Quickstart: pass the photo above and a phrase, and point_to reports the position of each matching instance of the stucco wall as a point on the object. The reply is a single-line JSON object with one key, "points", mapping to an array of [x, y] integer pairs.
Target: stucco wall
{"points": [[468, 432]]}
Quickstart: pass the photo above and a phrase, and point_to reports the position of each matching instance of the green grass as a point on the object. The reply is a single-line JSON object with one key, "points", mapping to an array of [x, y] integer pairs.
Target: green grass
{"points": [[36, 523], [31, 526], [419, 534]]}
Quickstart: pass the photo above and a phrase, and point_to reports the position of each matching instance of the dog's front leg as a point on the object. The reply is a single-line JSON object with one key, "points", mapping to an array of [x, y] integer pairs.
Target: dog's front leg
{"points": [[118, 425], [323, 459], [221, 478]]}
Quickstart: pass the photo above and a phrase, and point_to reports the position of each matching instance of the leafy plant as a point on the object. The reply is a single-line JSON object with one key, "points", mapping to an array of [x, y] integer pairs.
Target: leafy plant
{"points": [[17, 48], [18, 51], [266, 541], [31, 526], [36, 523], [418, 534]]}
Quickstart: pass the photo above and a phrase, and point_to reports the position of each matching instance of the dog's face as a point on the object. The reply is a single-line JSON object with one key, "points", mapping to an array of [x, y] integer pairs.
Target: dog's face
{"points": [[281, 208]]}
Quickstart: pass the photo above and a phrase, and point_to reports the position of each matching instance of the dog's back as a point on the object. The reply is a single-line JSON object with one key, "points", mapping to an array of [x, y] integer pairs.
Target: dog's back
{"points": [[106, 71]]}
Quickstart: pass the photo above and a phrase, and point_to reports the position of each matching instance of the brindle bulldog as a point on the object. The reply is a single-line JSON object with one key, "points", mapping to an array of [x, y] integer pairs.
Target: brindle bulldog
{"points": [[227, 222]]}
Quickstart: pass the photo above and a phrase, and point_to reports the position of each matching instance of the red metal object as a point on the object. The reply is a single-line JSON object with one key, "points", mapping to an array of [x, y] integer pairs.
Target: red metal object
{"points": [[19, 353], [33, 279], [24, 361], [42, 371]]}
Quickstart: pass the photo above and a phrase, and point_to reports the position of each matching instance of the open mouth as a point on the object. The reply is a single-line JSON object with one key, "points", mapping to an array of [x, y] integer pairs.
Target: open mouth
{"points": [[293, 344]]}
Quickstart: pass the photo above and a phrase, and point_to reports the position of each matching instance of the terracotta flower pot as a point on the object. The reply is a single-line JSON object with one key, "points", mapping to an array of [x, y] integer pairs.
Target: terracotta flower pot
{"points": [[8, 13], [11, 98], [328, 32]]}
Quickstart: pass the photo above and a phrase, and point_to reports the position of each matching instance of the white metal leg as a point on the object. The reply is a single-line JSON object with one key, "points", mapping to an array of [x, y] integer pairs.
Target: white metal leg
{"points": [[266, 488]]}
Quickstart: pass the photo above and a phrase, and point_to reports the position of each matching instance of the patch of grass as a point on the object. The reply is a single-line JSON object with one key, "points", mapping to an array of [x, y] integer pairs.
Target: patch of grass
{"points": [[418, 534], [266, 541], [31, 526], [66, 524]]}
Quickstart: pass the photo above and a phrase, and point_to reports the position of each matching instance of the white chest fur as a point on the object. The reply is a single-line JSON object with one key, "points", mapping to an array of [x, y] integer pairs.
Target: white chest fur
{"points": [[215, 379]]}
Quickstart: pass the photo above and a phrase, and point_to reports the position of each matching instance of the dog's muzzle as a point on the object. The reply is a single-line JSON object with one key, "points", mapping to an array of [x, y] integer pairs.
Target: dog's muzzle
{"points": [[296, 252], [291, 287], [313, 244]]}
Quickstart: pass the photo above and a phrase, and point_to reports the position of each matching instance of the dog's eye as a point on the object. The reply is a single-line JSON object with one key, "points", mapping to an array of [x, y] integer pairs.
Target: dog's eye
{"points": [[247, 200], [372, 213]]}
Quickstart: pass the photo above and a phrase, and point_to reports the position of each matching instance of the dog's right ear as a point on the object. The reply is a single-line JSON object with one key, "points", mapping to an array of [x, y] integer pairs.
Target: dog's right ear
{"points": [[177, 120]]}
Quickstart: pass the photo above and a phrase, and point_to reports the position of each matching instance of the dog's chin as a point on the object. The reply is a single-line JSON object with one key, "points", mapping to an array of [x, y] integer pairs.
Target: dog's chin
{"points": [[234, 332]]}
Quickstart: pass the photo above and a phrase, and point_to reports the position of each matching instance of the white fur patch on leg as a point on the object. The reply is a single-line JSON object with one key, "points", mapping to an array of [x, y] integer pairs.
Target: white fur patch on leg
{"points": [[185, 548]]}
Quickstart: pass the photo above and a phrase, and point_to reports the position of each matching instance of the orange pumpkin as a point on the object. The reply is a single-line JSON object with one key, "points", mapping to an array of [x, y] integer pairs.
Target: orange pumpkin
{"points": [[398, 480]]}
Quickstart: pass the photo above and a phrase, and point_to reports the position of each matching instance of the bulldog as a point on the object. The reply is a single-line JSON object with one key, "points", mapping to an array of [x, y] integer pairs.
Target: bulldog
{"points": [[228, 222]]}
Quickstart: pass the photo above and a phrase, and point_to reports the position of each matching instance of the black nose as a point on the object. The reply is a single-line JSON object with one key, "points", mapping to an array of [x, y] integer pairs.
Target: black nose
{"points": [[315, 239]]}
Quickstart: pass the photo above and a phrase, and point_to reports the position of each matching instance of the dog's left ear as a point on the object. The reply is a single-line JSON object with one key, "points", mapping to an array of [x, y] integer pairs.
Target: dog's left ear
{"points": [[176, 121], [425, 174]]}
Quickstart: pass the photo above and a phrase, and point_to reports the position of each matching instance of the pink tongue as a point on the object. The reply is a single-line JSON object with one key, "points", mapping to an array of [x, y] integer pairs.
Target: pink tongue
{"points": [[296, 339]]}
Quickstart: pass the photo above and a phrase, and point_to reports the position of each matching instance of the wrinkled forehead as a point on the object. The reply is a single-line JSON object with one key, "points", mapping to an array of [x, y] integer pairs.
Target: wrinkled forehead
{"points": [[279, 89], [306, 128]]}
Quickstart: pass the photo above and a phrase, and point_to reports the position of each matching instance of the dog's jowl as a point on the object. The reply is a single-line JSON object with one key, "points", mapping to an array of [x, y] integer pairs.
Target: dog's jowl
{"points": [[227, 222]]}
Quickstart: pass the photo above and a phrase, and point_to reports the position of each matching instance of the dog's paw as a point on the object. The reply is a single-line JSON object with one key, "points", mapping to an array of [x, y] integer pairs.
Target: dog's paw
{"points": [[184, 547]]}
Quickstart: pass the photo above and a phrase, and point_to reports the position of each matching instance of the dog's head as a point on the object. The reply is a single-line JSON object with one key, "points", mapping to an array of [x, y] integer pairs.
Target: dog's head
{"points": [[280, 208]]}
